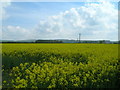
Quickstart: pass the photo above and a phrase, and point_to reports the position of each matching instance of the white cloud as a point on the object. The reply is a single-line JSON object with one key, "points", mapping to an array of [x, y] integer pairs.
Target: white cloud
{"points": [[93, 21], [3, 14], [16, 33], [3, 5]]}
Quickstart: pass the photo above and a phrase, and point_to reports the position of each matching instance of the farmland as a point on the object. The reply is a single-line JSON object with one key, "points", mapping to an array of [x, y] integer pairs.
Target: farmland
{"points": [[60, 65]]}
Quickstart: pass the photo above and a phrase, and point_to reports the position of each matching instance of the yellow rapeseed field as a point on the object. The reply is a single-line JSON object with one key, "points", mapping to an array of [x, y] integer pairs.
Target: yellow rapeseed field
{"points": [[60, 65]]}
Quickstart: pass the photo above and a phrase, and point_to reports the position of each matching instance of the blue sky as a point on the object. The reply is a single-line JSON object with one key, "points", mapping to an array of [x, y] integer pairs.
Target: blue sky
{"points": [[27, 14], [60, 20]]}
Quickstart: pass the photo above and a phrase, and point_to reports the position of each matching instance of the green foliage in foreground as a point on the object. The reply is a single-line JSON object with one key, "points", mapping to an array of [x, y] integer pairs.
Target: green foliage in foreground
{"points": [[60, 65]]}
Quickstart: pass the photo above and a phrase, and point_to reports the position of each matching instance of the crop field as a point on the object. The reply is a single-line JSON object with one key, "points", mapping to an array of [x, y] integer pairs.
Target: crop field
{"points": [[60, 66]]}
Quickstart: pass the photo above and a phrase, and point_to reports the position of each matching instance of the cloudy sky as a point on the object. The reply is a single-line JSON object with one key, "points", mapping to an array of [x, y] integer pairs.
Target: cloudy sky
{"points": [[60, 20]]}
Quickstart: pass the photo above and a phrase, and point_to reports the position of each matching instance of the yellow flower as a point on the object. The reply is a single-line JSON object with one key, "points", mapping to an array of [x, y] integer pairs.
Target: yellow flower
{"points": [[4, 81], [33, 64], [12, 81], [18, 78], [21, 65], [76, 85], [26, 64]]}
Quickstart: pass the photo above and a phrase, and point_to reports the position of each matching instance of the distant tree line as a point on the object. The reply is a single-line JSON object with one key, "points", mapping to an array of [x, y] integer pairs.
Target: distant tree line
{"points": [[37, 41], [48, 41], [16, 42], [66, 41]]}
